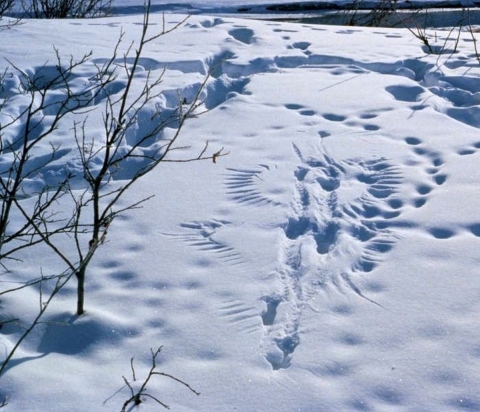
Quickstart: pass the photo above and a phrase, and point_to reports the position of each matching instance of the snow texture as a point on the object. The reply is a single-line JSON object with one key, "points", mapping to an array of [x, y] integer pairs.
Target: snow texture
{"points": [[328, 263]]}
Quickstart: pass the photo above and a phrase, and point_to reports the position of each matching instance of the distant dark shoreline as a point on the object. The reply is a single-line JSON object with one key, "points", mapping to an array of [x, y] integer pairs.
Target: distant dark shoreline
{"points": [[357, 5], [368, 13]]}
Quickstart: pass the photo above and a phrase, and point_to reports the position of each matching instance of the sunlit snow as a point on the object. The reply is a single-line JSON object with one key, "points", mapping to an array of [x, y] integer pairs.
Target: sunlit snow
{"points": [[328, 263]]}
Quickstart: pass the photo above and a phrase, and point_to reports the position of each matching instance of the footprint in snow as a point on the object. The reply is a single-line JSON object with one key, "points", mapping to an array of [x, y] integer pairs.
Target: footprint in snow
{"points": [[341, 224], [338, 227]]}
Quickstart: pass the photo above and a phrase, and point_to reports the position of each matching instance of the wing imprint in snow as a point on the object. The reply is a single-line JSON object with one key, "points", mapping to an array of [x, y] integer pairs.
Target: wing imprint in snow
{"points": [[202, 235], [240, 315], [338, 227], [251, 186]]}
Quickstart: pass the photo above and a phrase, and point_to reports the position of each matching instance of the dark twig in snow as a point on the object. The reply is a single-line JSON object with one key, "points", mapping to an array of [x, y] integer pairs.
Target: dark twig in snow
{"points": [[141, 392]]}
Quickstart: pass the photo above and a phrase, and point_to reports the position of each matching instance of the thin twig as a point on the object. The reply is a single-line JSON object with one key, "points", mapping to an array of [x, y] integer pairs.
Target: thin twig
{"points": [[136, 395]]}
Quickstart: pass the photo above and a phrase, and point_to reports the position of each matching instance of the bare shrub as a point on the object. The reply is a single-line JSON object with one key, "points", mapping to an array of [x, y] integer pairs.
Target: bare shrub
{"points": [[60, 9], [383, 14], [5, 5], [139, 392], [33, 107], [26, 124], [97, 206], [29, 215]]}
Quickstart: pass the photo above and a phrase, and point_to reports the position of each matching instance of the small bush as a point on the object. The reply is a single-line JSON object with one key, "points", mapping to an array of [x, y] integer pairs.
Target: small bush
{"points": [[5, 5], [60, 9]]}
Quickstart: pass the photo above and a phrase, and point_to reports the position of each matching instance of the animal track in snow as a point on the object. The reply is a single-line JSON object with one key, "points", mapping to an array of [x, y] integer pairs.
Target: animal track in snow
{"points": [[469, 150], [251, 186], [431, 162], [202, 236], [243, 35], [301, 45], [425, 80], [338, 228], [334, 117], [364, 121], [212, 22], [406, 93], [302, 110], [242, 316], [341, 224]]}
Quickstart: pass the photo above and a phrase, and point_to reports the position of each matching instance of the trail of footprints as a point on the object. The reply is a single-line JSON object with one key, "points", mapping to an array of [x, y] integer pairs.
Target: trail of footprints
{"points": [[229, 78], [338, 227], [342, 221], [344, 217]]}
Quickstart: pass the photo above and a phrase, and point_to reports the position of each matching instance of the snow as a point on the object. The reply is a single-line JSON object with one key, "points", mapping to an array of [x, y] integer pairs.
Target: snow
{"points": [[328, 263]]}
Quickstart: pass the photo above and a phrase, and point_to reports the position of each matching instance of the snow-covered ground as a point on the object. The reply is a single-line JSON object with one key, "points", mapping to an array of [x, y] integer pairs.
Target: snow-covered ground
{"points": [[328, 263]]}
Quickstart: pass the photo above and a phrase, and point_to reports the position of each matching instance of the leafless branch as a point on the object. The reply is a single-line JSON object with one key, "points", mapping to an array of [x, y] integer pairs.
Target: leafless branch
{"points": [[60, 283], [58, 9], [141, 392]]}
